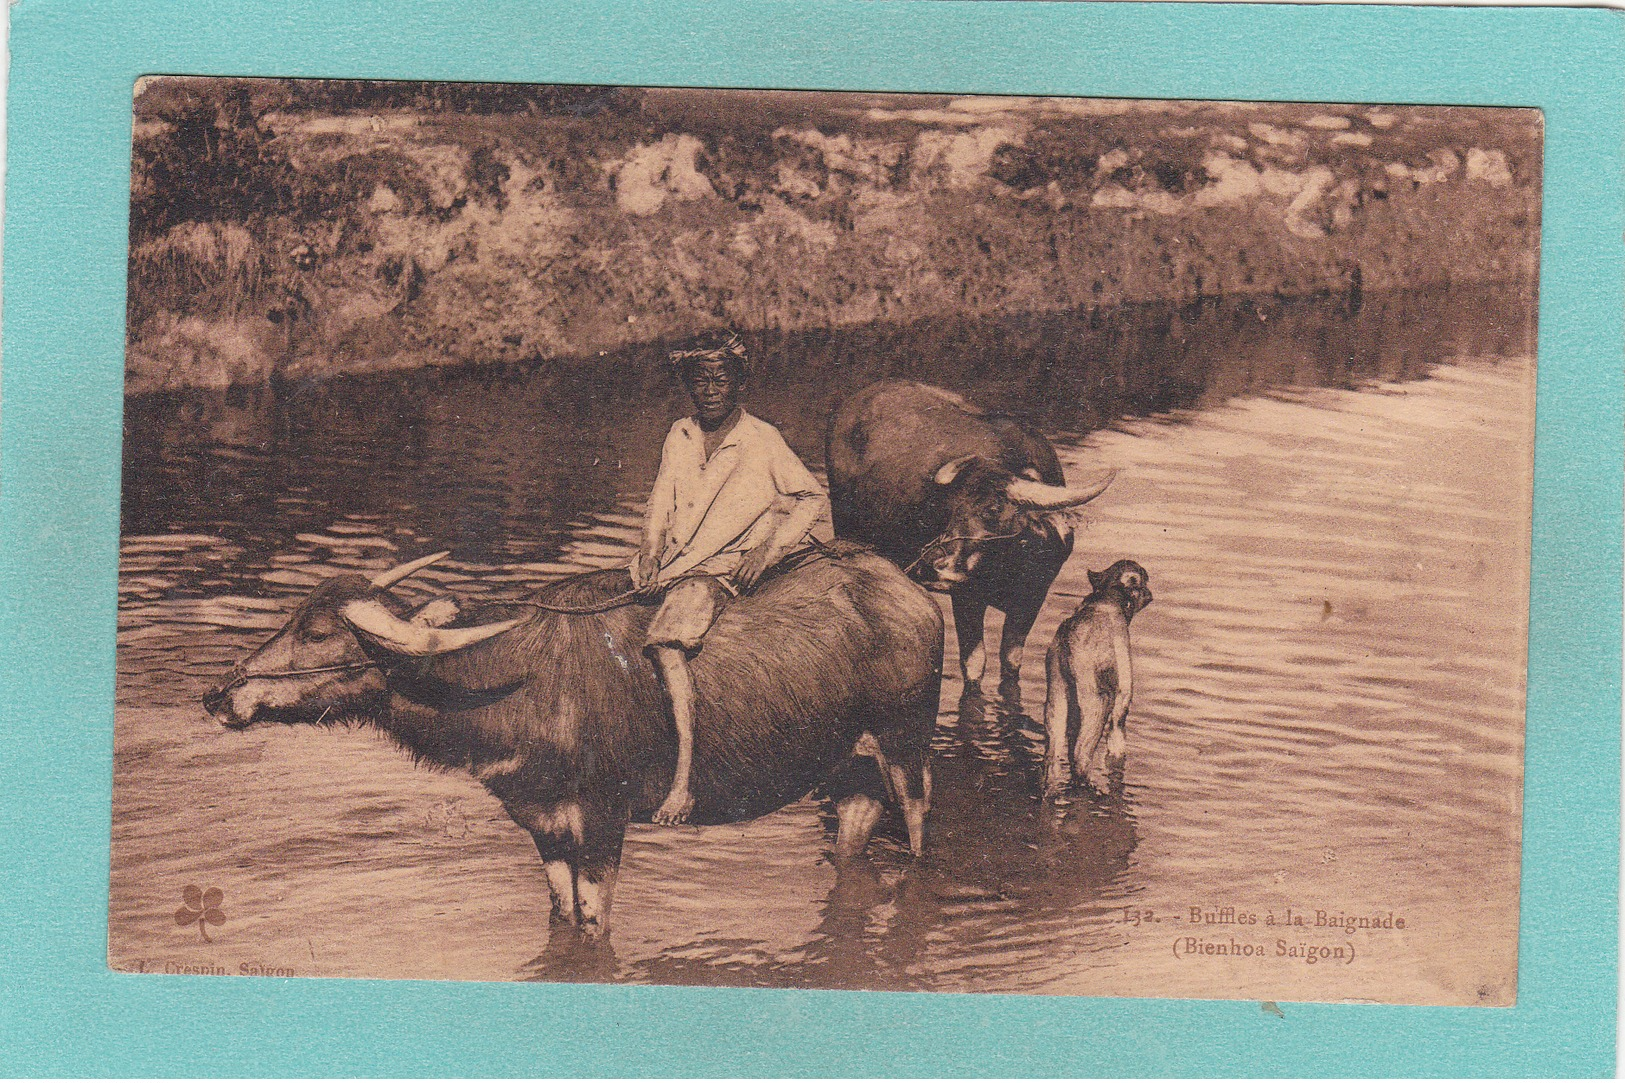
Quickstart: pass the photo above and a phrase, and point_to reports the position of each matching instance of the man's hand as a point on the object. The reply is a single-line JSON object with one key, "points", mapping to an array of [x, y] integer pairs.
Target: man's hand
{"points": [[757, 561], [645, 573]]}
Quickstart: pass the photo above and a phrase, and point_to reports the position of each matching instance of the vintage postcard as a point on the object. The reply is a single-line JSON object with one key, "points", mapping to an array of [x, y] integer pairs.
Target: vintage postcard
{"points": [[825, 540]]}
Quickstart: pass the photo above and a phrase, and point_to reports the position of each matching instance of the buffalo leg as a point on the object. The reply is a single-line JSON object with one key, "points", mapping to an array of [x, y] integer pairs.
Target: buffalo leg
{"points": [[556, 828], [857, 816], [561, 886], [909, 776], [580, 849], [969, 617], [870, 780], [905, 762], [1018, 622], [598, 863], [595, 877], [1113, 748], [1092, 725], [916, 806], [1058, 701]]}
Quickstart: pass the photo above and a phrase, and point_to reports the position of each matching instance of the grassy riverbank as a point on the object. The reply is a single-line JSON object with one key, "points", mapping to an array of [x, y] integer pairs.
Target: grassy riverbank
{"points": [[296, 229]]}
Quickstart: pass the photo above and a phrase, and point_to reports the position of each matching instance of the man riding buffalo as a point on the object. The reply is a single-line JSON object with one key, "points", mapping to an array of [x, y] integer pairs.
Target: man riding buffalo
{"points": [[730, 500]]}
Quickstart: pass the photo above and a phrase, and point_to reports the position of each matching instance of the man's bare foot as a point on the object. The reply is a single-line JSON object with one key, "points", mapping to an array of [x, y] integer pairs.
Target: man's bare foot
{"points": [[675, 809]]}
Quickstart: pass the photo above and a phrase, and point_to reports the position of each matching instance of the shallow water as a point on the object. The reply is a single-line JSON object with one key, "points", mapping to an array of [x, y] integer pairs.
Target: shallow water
{"points": [[1333, 504]]}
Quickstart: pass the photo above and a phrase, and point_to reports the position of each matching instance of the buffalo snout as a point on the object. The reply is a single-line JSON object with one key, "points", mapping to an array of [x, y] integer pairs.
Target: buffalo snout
{"points": [[220, 705], [951, 568]]}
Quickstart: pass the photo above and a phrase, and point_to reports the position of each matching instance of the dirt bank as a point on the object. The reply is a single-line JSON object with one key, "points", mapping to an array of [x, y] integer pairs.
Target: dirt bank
{"points": [[293, 229]]}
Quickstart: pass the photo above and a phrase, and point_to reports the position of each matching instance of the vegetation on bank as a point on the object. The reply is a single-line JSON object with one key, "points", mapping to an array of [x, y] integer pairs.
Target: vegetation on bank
{"points": [[292, 228]]}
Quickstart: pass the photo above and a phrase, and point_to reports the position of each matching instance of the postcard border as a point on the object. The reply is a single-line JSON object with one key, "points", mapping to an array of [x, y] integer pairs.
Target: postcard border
{"points": [[62, 1012]]}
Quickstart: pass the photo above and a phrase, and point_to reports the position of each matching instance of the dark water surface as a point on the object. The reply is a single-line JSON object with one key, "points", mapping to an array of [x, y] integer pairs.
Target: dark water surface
{"points": [[1332, 499]]}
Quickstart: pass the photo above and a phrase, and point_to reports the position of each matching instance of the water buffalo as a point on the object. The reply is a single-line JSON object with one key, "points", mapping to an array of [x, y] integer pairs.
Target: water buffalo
{"points": [[967, 501], [560, 715]]}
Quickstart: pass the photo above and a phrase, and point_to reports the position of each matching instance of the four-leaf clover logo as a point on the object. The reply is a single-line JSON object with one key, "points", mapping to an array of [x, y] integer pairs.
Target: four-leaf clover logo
{"points": [[201, 907]]}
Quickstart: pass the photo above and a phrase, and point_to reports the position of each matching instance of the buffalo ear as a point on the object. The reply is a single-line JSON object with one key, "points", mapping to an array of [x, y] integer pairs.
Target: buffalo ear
{"points": [[1060, 522], [436, 613], [949, 472], [1096, 581]]}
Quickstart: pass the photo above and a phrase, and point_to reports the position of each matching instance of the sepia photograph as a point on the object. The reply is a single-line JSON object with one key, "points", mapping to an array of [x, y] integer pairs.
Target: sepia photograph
{"points": [[825, 540]]}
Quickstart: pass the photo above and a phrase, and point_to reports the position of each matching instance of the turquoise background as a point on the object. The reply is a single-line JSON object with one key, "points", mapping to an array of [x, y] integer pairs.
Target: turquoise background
{"points": [[74, 61]]}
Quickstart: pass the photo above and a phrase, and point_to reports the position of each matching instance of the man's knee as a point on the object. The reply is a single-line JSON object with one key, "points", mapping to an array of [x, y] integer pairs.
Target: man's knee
{"points": [[669, 655]]}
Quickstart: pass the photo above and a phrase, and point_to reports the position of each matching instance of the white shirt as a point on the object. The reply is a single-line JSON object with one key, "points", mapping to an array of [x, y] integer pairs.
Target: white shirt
{"points": [[706, 514]]}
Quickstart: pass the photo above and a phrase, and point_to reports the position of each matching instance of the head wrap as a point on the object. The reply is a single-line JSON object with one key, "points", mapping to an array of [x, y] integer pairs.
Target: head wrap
{"points": [[731, 348]]}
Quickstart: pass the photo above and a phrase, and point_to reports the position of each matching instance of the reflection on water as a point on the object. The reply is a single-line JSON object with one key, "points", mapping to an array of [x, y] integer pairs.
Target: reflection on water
{"points": [[1328, 714], [506, 464]]}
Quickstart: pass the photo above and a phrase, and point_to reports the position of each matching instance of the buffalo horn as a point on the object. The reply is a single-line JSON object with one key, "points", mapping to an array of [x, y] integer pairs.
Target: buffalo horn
{"points": [[373, 620], [1035, 494], [385, 580]]}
